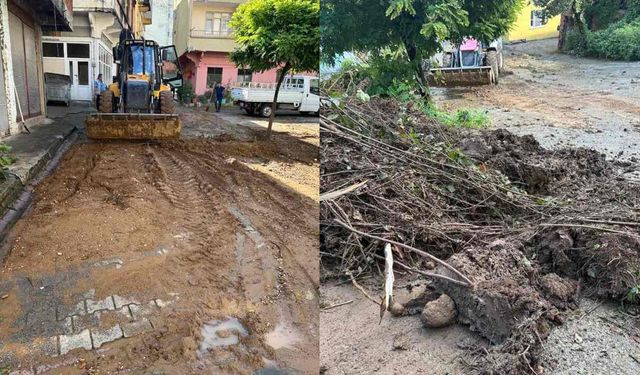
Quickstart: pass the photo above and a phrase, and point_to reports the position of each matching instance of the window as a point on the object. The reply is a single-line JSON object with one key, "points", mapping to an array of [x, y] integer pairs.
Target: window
{"points": [[53, 49], [244, 75], [538, 18], [105, 61], [83, 73], [214, 75], [315, 87], [294, 83], [217, 23], [78, 50]]}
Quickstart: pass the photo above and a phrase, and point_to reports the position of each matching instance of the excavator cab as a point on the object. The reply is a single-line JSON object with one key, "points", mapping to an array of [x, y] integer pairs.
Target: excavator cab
{"points": [[139, 103]]}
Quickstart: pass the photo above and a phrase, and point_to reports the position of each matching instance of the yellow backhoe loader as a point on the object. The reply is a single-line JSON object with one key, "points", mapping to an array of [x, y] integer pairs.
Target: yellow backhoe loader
{"points": [[139, 103]]}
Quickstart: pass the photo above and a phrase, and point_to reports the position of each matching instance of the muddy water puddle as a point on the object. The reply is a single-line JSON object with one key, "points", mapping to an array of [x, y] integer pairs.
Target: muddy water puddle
{"points": [[283, 336], [217, 333]]}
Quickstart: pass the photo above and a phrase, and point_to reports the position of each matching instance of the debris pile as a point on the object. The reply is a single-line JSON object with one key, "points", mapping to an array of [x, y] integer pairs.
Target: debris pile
{"points": [[518, 232]]}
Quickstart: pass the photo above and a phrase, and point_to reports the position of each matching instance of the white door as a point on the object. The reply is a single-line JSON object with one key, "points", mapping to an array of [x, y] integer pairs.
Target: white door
{"points": [[311, 99], [80, 72]]}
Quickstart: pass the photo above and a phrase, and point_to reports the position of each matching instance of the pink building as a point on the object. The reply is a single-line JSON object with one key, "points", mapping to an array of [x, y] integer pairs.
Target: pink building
{"points": [[203, 39], [204, 69]]}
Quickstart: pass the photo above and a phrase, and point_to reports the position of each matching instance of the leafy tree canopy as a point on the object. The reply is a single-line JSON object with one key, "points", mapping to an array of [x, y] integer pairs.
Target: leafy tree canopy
{"points": [[274, 33], [415, 25], [282, 34]]}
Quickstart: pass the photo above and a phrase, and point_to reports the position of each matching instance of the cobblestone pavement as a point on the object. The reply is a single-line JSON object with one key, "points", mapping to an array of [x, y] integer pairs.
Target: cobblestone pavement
{"points": [[54, 322]]}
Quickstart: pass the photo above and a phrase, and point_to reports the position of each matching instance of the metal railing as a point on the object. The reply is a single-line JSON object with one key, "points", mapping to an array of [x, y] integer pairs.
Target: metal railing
{"points": [[216, 34], [267, 86]]}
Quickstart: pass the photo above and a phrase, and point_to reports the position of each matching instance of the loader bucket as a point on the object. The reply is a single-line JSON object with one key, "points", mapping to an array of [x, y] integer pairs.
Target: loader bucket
{"points": [[132, 126], [467, 76]]}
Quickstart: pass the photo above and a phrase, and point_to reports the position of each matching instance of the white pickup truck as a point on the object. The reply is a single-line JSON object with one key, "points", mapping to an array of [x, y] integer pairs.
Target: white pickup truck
{"points": [[298, 92]]}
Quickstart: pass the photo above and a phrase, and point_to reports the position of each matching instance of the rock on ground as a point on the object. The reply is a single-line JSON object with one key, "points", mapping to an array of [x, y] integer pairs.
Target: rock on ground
{"points": [[439, 313]]}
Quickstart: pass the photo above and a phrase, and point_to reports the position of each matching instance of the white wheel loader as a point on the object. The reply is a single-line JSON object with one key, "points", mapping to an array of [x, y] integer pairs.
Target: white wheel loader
{"points": [[468, 64]]}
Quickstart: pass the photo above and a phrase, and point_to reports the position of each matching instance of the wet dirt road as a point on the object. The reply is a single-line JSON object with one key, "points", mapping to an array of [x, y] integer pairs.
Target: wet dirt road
{"points": [[166, 258], [564, 101]]}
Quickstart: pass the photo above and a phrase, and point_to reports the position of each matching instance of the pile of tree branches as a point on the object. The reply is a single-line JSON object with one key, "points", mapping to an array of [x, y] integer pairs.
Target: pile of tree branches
{"points": [[391, 174], [404, 181]]}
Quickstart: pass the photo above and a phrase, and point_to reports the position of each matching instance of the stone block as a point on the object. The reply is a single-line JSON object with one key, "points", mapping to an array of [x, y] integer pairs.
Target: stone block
{"points": [[103, 336], [71, 342], [136, 328], [103, 304]]}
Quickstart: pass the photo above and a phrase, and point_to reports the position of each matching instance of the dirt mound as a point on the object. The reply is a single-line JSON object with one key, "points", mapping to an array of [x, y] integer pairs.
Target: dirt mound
{"points": [[531, 167], [514, 260], [606, 263]]}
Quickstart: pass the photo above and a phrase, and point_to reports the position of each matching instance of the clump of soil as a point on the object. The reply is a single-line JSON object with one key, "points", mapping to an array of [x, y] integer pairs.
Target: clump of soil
{"points": [[532, 230], [531, 167], [439, 313]]}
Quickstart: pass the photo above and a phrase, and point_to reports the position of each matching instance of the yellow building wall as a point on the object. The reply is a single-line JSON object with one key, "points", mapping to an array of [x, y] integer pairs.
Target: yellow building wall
{"points": [[199, 14], [190, 15], [522, 27], [181, 25], [140, 18]]}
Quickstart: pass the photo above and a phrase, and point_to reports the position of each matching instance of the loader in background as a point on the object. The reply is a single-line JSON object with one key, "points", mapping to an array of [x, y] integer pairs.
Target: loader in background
{"points": [[139, 103], [471, 63]]}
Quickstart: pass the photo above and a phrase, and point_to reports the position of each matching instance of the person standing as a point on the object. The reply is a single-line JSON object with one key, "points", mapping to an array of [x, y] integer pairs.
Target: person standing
{"points": [[98, 87], [219, 96]]}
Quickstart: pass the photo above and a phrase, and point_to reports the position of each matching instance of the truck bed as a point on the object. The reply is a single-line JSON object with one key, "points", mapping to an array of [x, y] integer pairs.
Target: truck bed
{"points": [[264, 94]]}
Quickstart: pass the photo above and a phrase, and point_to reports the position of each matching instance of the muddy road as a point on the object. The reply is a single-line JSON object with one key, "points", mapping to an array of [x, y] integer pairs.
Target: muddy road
{"points": [[171, 257], [564, 101]]}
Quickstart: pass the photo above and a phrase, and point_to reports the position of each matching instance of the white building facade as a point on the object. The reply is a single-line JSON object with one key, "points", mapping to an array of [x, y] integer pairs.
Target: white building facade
{"points": [[87, 51], [161, 28]]}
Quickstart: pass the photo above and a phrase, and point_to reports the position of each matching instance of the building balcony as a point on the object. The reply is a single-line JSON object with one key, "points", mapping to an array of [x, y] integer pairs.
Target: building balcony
{"points": [[219, 2], [114, 7], [207, 41], [56, 15], [211, 34]]}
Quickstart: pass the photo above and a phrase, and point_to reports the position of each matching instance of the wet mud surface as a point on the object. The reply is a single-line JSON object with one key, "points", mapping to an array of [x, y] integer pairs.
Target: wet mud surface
{"points": [[166, 257], [562, 100]]}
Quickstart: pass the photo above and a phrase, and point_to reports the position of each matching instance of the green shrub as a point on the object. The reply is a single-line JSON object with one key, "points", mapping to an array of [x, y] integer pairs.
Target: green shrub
{"points": [[619, 41], [461, 118], [186, 92], [204, 98], [576, 43], [6, 158]]}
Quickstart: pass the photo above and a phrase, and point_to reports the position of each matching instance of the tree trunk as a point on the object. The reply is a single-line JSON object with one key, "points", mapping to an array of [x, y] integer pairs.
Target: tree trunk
{"points": [[285, 69], [564, 28], [423, 85]]}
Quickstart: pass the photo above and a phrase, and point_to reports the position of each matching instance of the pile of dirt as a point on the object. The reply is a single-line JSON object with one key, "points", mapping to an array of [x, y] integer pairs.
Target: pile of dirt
{"points": [[521, 232], [531, 167]]}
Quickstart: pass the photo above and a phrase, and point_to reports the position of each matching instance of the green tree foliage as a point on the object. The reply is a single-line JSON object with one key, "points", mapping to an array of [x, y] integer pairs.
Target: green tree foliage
{"points": [[600, 28], [414, 26], [282, 34]]}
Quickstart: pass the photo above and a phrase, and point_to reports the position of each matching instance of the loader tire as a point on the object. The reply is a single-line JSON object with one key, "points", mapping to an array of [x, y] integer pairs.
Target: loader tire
{"points": [[166, 103], [492, 61], [106, 102]]}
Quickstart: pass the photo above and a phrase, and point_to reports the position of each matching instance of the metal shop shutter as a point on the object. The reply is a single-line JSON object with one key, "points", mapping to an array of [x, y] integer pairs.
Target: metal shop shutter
{"points": [[4, 120], [25, 68]]}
